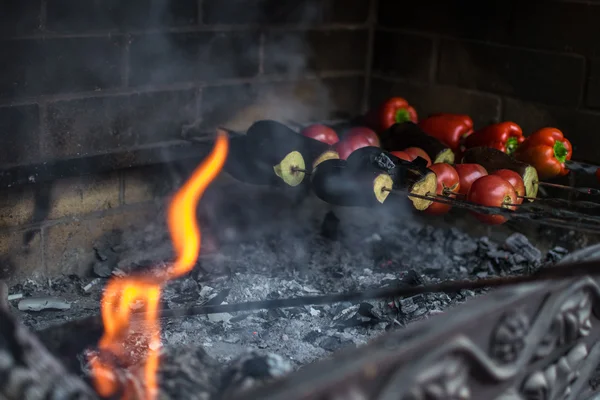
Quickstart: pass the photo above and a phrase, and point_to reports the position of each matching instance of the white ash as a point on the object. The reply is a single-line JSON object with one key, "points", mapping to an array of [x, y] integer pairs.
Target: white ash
{"points": [[249, 256]]}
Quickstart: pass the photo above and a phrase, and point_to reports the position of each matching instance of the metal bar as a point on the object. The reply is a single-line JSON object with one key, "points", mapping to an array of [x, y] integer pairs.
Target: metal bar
{"points": [[535, 341]]}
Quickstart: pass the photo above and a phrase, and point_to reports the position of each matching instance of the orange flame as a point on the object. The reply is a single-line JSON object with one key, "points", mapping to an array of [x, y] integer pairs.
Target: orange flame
{"points": [[121, 294]]}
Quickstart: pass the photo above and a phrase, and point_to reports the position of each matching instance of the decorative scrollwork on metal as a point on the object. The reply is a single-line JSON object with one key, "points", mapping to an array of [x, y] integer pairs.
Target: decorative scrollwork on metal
{"points": [[571, 323], [446, 380], [509, 338], [554, 382]]}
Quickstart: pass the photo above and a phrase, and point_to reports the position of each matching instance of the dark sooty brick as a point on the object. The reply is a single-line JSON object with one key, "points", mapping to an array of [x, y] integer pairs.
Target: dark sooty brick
{"points": [[580, 127], [76, 16], [315, 51], [483, 108], [558, 25], [185, 57], [19, 17], [59, 66], [94, 125], [403, 55], [531, 75], [475, 19], [306, 12], [20, 134], [593, 85]]}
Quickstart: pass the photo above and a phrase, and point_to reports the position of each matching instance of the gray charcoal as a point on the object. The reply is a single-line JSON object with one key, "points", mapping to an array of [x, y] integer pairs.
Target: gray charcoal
{"points": [[520, 245], [463, 247], [103, 270], [253, 369], [43, 303]]}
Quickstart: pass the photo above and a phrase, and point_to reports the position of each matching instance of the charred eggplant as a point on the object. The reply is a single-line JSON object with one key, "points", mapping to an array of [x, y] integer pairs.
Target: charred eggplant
{"points": [[407, 134], [289, 154]]}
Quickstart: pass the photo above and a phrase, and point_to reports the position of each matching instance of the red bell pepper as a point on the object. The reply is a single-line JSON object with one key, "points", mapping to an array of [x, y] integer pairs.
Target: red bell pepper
{"points": [[504, 136], [450, 129], [547, 150], [394, 110]]}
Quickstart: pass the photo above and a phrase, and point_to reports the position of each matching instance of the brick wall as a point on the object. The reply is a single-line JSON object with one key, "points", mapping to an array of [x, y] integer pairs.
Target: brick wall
{"points": [[531, 61], [89, 77]]}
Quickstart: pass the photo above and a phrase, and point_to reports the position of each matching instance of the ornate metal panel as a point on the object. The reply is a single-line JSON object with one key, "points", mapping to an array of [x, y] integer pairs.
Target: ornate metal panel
{"points": [[532, 342]]}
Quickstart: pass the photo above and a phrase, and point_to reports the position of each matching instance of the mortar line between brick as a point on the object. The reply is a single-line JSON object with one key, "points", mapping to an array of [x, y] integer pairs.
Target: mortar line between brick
{"points": [[261, 53], [191, 29], [370, 54], [178, 86], [200, 14], [43, 15], [501, 109], [435, 60], [149, 205], [585, 84], [121, 188], [125, 61], [42, 128]]}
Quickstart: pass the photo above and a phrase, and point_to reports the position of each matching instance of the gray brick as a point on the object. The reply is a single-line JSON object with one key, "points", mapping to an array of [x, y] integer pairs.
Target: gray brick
{"points": [[531, 75], [74, 16], [403, 55], [19, 17], [19, 134], [315, 51], [59, 66], [306, 12], [185, 57], [94, 125]]}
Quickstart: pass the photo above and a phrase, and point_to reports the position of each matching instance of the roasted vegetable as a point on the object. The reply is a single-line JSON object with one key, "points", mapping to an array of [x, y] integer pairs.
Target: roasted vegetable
{"points": [[493, 160], [492, 191], [407, 176], [547, 150], [450, 129], [392, 111], [242, 166], [448, 183], [504, 136], [288, 153], [334, 182], [408, 134]]}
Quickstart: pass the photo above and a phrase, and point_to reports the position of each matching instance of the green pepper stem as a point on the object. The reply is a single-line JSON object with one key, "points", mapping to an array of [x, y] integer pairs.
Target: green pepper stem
{"points": [[402, 115], [511, 145], [560, 151]]}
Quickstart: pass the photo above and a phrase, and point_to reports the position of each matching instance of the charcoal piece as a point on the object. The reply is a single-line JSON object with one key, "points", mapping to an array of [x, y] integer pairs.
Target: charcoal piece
{"points": [[43, 303], [251, 370], [312, 336], [331, 343], [556, 254], [463, 247], [187, 291], [219, 298], [330, 228], [185, 372], [413, 278], [519, 244], [29, 371], [101, 269]]}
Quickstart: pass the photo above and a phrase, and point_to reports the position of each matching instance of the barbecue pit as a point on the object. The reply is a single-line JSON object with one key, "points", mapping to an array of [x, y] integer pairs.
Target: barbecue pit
{"points": [[106, 110]]}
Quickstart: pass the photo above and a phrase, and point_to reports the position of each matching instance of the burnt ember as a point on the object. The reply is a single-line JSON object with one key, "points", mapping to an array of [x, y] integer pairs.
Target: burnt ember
{"points": [[265, 249]]}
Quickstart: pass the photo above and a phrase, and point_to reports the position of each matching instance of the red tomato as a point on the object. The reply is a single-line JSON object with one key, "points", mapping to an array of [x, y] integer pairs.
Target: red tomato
{"points": [[365, 132], [321, 133], [402, 155], [415, 152], [346, 146], [515, 180], [447, 180], [468, 173], [492, 191]]}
